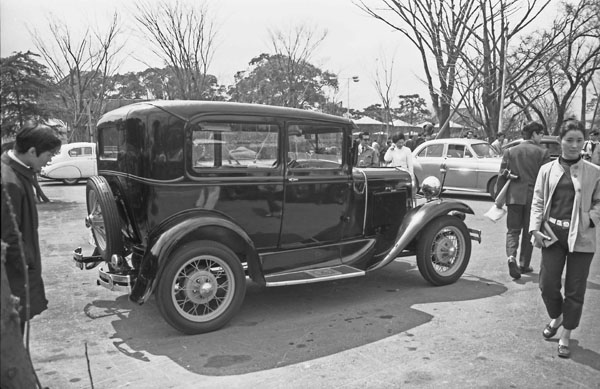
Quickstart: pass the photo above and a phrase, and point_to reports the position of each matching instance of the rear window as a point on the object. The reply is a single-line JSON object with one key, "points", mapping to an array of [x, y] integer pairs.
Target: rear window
{"points": [[110, 141]]}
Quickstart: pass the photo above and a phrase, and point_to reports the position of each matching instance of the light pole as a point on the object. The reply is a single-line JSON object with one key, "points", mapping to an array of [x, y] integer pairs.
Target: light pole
{"points": [[355, 79]]}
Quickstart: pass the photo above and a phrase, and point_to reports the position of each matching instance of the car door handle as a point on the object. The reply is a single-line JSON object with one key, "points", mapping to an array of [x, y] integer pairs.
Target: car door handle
{"points": [[292, 179]]}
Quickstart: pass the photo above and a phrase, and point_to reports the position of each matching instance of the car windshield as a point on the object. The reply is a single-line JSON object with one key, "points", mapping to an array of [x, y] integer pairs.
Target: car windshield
{"points": [[484, 150]]}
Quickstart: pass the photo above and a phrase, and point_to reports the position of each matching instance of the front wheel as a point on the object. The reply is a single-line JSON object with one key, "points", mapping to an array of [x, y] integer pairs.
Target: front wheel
{"points": [[201, 288], [444, 250]]}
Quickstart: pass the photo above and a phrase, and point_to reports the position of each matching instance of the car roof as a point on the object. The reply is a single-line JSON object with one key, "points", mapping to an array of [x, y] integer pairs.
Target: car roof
{"points": [[458, 141], [186, 109]]}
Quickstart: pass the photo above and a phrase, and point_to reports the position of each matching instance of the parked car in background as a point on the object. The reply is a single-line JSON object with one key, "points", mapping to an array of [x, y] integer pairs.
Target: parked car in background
{"points": [[552, 143], [74, 162], [472, 165], [263, 192]]}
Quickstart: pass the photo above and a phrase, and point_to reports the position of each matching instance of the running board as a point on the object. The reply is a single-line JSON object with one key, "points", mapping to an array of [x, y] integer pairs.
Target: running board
{"points": [[313, 275]]}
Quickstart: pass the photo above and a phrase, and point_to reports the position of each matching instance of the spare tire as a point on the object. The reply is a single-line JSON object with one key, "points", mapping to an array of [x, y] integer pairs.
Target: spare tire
{"points": [[103, 218]]}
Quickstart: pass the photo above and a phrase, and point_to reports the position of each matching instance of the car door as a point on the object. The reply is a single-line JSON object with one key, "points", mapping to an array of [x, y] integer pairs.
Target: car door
{"points": [[428, 161], [461, 167], [316, 186], [87, 163]]}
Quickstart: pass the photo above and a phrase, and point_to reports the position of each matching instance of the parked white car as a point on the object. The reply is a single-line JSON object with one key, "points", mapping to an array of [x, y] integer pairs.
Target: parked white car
{"points": [[74, 162], [472, 165]]}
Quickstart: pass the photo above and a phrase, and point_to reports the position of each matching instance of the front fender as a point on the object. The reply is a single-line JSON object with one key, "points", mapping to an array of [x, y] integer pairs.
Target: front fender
{"points": [[180, 229], [415, 220]]}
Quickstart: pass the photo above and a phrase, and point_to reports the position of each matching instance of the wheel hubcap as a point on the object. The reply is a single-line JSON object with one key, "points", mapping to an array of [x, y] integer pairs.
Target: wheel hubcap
{"points": [[200, 287]]}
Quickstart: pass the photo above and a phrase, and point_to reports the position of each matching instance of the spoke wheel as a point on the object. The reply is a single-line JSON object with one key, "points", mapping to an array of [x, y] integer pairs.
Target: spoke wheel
{"points": [[202, 287], [444, 250], [103, 218]]}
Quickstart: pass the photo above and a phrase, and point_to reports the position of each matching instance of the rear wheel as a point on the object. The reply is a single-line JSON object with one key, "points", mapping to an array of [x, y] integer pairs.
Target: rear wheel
{"points": [[444, 250], [103, 218], [201, 288]]}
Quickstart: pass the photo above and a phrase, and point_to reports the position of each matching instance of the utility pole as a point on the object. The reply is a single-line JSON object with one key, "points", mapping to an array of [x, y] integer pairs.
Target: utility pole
{"points": [[355, 79]]}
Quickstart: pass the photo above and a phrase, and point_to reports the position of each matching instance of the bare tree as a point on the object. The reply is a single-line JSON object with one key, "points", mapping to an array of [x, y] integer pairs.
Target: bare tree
{"points": [[566, 65], [184, 38], [486, 72], [384, 84], [440, 31], [294, 48], [82, 70]]}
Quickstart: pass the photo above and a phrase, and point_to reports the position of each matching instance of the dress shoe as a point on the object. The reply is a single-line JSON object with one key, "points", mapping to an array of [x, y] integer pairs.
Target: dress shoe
{"points": [[564, 351], [525, 270], [513, 268], [550, 331]]}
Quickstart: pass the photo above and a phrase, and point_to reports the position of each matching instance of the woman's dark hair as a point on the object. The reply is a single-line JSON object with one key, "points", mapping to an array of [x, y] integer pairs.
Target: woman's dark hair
{"points": [[397, 137], [34, 134], [571, 124]]}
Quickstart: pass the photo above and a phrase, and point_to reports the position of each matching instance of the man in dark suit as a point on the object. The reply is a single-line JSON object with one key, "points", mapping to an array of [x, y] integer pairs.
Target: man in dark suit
{"points": [[524, 162]]}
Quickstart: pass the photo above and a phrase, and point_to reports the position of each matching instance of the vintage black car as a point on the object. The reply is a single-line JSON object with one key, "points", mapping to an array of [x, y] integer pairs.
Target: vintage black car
{"points": [[192, 197]]}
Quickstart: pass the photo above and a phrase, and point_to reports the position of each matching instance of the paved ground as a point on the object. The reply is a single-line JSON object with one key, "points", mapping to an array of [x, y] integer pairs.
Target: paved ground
{"points": [[387, 330]]}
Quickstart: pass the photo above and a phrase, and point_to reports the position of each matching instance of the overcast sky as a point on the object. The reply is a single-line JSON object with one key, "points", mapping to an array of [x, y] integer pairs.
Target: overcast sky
{"points": [[354, 43]]}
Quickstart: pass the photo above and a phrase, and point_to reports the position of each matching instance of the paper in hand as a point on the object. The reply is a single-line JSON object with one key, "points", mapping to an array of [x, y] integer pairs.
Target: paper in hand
{"points": [[495, 213]]}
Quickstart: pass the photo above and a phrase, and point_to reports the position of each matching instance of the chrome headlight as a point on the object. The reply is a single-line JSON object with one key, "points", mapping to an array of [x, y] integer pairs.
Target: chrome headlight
{"points": [[431, 187]]}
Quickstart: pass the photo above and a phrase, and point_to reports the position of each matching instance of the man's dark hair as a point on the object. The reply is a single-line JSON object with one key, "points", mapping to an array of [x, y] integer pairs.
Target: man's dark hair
{"points": [[530, 128], [37, 135], [364, 134], [501, 134]]}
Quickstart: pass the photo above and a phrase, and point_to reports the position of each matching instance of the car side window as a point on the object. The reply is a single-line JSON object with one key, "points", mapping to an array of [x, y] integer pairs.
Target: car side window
{"points": [[456, 151], [432, 151], [234, 145], [87, 151], [75, 152], [314, 146]]}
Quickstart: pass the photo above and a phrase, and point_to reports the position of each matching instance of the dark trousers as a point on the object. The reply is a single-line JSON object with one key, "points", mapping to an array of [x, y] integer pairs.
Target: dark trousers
{"points": [[517, 223], [551, 269]]}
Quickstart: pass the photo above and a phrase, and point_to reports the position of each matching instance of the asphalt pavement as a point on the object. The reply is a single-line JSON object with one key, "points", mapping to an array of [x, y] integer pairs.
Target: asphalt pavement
{"points": [[389, 329]]}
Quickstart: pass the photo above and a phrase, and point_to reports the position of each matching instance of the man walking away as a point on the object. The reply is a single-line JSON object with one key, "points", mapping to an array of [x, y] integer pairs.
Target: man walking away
{"points": [[35, 145], [524, 162]]}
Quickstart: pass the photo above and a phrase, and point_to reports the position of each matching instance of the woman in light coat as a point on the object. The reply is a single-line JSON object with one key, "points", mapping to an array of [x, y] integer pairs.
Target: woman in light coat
{"points": [[566, 199]]}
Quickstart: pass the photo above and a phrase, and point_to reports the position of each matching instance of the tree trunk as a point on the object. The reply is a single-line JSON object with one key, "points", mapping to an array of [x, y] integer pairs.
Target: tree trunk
{"points": [[16, 369]]}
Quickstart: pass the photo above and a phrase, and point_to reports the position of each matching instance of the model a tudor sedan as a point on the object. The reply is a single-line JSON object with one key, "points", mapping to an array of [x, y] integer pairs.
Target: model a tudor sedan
{"points": [[192, 197]]}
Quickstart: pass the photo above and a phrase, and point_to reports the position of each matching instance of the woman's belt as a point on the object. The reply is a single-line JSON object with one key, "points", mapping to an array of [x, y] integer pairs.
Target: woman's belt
{"points": [[559, 223]]}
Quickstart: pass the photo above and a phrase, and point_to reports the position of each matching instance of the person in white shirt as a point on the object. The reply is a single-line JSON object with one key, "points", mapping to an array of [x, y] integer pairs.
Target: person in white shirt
{"points": [[590, 145], [500, 142], [399, 155]]}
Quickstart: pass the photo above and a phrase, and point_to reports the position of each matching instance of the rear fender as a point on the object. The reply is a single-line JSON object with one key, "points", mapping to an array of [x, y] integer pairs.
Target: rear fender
{"points": [[186, 227], [416, 220]]}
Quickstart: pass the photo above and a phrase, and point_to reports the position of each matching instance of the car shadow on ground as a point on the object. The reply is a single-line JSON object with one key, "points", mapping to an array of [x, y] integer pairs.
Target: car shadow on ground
{"points": [[287, 325]]}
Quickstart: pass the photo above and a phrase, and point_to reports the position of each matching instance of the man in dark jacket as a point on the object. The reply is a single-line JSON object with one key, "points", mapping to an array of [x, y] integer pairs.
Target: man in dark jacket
{"points": [[524, 162], [35, 145]]}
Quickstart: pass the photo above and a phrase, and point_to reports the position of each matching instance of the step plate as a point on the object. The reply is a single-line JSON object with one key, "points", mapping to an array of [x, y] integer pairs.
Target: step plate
{"points": [[313, 275]]}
